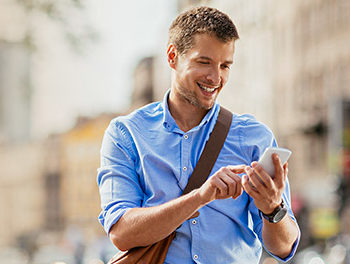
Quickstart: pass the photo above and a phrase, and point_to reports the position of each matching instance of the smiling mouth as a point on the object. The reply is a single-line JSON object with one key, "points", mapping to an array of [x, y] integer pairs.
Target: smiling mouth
{"points": [[207, 89]]}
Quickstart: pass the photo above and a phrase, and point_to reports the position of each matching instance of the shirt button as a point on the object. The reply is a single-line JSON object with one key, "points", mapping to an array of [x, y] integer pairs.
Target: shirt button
{"points": [[185, 136], [194, 222], [184, 168], [195, 256]]}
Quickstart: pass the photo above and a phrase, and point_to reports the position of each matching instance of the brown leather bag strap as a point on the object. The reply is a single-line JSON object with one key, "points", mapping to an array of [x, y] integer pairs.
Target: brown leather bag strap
{"points": [[211, 151]]}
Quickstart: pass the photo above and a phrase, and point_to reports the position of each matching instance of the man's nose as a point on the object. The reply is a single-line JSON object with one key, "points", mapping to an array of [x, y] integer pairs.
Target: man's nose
{"points": [[214, 76]]}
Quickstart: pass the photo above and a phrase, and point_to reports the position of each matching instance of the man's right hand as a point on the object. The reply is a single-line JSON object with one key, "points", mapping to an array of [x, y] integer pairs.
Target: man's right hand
{"points": [[225, 183]]}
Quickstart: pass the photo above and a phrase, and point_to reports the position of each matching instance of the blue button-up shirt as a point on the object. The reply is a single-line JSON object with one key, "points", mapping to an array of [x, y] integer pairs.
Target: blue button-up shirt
{"points": [[146, 160]]}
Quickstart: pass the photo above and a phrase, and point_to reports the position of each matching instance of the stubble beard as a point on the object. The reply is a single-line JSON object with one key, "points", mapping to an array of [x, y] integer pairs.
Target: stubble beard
{"points": [[192, 98]]}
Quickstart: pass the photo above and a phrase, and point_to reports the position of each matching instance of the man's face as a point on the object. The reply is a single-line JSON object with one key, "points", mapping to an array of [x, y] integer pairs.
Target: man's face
{"points": [[202, 71]]}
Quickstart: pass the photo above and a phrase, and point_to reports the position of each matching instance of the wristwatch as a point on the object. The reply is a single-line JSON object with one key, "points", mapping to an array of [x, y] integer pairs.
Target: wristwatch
{"points": [[277, 215]]}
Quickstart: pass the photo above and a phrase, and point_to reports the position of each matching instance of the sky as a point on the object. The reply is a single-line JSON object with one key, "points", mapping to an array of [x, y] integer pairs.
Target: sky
{"points": [[97, 79]]}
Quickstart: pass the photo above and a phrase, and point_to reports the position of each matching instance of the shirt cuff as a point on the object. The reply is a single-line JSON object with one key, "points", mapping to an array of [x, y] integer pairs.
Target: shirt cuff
{"points": [[112, 218], [292, 253]]}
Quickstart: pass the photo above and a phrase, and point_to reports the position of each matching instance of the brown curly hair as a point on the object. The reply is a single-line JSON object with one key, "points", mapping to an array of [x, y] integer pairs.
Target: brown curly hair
{"points": [[200, 20]]}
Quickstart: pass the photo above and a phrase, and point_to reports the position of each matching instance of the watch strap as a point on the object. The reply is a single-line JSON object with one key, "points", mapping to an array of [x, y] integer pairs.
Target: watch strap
{"points": [[277, 215]]}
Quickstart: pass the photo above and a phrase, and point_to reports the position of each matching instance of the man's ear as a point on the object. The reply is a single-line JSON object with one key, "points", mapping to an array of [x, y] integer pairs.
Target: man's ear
{"points": [[172, 55]]}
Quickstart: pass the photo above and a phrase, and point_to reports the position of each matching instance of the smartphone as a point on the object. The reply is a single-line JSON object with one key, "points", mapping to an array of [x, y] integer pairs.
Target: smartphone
{"points": [[266, 158]]}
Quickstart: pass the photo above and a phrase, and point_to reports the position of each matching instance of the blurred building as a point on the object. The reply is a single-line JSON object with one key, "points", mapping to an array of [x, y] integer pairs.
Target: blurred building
{"points": [[22, 191], [80, 158], [15, 90], [15, 95], [143, 92], [49, 187], [292, 64]]}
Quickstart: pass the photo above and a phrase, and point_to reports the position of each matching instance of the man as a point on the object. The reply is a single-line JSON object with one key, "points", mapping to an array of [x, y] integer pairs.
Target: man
{"points": [[148, 156]]}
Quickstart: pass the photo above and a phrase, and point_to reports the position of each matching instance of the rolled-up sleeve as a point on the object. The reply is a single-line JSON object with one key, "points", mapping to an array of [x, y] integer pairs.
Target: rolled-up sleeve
{"points": [[117, 179]]}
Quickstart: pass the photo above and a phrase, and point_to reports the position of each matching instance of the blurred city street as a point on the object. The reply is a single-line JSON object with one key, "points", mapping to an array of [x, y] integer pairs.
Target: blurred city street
{"points": [[68, 67]]}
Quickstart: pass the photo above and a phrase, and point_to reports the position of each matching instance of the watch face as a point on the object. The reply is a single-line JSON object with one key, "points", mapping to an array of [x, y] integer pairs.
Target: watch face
{"points": [[279, 215]]}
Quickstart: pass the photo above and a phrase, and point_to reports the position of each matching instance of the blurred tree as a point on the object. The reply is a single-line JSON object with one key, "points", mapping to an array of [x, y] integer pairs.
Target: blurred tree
{"points": [[66, 14]]}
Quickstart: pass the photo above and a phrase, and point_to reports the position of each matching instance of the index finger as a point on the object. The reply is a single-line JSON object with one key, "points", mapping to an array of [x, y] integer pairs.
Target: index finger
{"points": [[236, 168]]}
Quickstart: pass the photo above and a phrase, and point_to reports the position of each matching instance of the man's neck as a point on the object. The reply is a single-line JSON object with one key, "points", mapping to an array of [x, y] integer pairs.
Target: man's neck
{"points": [[185, 114]]}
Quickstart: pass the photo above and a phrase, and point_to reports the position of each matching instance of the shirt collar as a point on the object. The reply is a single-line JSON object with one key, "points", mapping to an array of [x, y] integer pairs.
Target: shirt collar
{"points": [[170, 124]]}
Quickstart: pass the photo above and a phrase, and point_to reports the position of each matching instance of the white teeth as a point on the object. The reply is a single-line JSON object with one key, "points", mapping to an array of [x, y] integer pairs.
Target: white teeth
{"points": [[207, 89]]}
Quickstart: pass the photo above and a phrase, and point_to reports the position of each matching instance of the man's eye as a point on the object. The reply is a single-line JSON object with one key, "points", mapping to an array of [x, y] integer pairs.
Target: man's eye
{"points": [[226, 66], [203, 62]]}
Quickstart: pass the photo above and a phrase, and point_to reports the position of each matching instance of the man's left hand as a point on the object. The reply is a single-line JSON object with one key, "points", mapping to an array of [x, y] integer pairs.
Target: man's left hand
{"points": [[264, 189]]}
